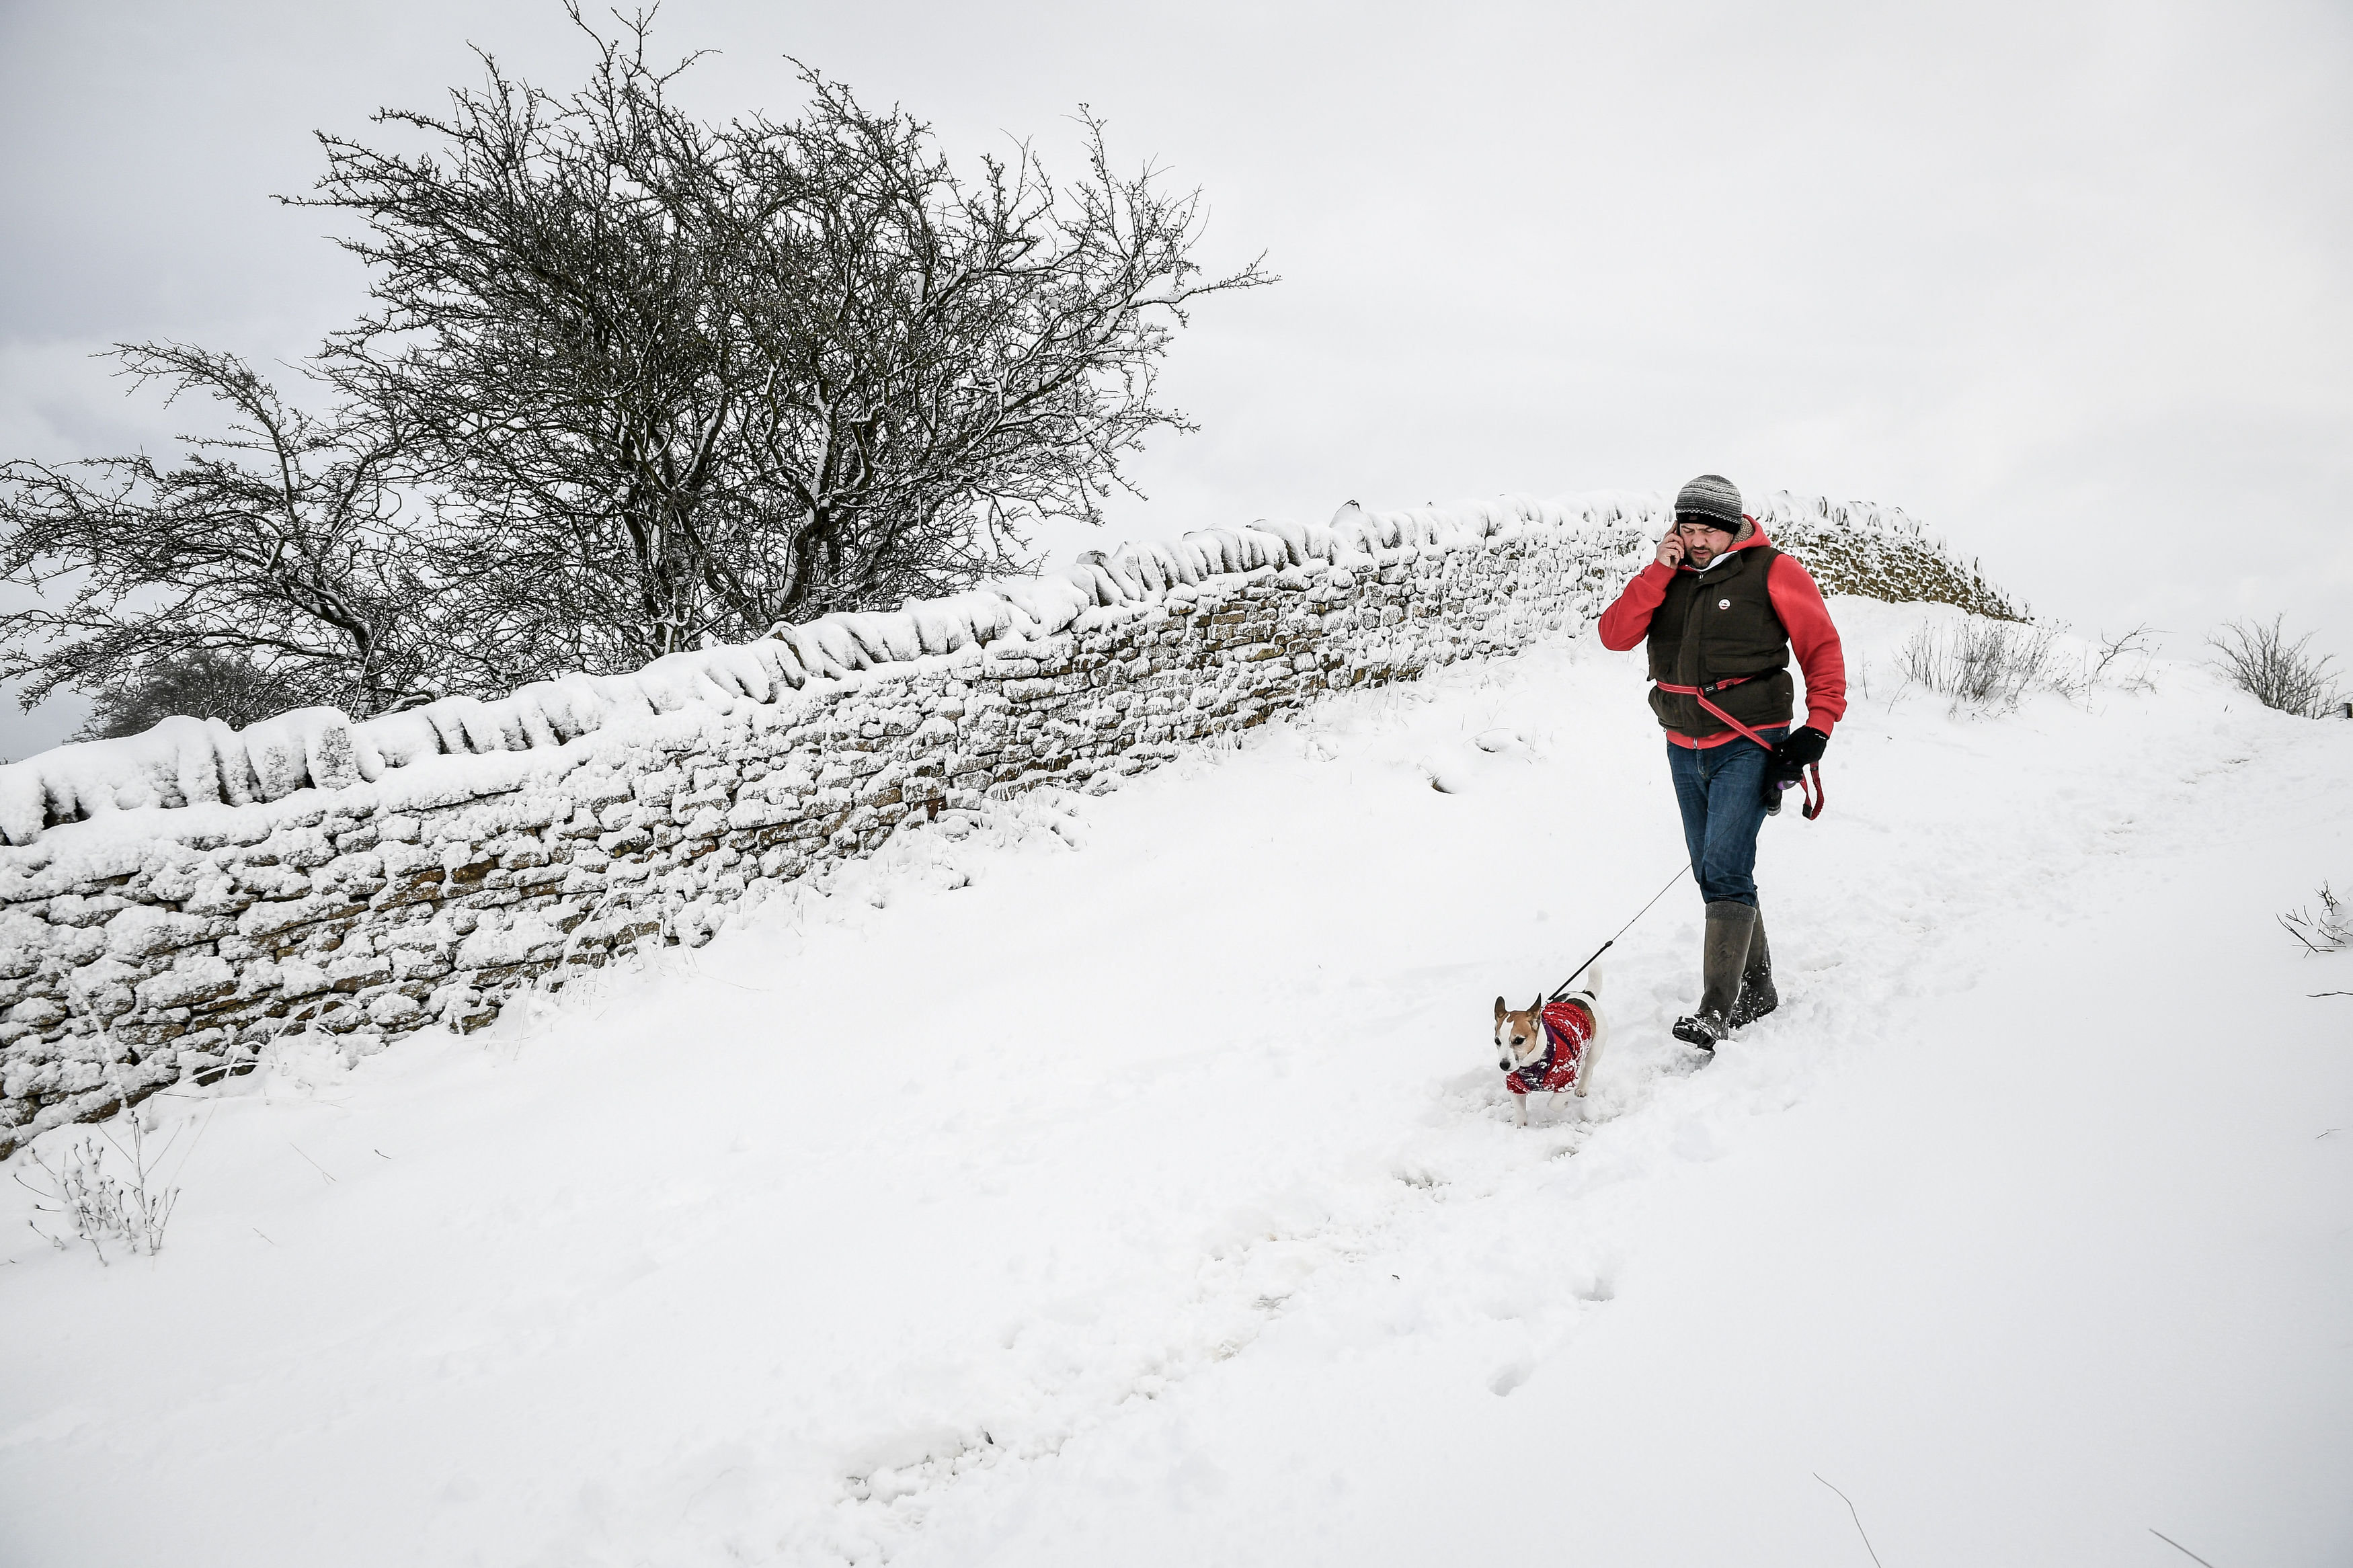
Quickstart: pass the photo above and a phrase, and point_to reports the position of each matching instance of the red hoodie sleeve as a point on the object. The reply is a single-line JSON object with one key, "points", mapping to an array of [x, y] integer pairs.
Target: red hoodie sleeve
{"points": [[1811, 637], [1626, 623]]}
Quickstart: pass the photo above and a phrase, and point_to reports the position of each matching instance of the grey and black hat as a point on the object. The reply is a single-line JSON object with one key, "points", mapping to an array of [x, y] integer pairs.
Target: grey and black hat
{"points": [[1716, 501], [1711, 498]]}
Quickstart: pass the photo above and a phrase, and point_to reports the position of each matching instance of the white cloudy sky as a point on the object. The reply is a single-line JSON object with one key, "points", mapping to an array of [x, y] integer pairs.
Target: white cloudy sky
{"points": [[2074, 282]]}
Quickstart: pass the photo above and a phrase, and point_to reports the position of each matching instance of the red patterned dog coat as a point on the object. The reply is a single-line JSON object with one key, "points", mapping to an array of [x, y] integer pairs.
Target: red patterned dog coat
{"points": [[1567, 1026]]}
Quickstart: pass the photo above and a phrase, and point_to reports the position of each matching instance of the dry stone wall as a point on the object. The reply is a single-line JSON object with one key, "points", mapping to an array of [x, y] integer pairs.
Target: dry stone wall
{"points": [[169, 935], [1853, 547]]}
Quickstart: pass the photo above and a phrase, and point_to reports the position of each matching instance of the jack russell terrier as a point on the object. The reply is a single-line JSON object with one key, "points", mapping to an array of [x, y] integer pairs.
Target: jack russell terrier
{"points": [[1550, 1047]]}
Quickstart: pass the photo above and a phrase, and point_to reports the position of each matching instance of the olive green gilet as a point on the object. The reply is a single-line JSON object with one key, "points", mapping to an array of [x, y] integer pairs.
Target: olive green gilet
{"points": [[1712, 627]]}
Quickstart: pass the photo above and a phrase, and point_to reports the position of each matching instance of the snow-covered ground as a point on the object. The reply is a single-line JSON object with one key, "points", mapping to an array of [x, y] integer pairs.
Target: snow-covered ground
{"points": [[1128, 1182]]}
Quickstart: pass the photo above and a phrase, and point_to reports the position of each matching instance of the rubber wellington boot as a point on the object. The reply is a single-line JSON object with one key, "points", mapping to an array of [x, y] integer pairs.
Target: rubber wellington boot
{"points": [[1757, 996], [1723, 956]]}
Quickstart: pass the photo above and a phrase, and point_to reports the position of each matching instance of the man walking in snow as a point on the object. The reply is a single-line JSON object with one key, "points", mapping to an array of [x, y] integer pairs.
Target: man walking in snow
{"points": [[1721, 611]]}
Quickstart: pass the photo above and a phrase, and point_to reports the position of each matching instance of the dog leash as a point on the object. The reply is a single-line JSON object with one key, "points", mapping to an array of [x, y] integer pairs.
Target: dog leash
{"points": [[1810, 781], [1622, 929]]}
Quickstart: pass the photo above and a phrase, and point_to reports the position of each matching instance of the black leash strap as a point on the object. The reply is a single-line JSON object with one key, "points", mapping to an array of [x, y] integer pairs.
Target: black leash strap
{"points": [[1559, 990]]}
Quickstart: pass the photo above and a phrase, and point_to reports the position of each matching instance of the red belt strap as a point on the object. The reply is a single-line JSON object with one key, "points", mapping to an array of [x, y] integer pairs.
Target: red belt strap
{"points": [[1811, 782]]}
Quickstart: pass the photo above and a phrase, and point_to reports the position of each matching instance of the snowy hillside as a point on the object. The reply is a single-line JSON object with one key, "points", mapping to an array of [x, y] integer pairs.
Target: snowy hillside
{"points": [[1127, 1181]]}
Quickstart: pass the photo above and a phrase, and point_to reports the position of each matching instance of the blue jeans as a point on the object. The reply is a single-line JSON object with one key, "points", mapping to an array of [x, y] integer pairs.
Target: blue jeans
{"points": [[1721, 790]]}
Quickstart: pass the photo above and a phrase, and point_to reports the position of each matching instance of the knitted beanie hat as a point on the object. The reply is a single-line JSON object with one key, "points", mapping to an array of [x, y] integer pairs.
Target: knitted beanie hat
{"points": [[1712, 498]]}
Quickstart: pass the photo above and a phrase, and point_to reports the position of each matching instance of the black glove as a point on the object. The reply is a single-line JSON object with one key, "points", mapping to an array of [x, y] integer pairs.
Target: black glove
{"points": [[1802, 746]]}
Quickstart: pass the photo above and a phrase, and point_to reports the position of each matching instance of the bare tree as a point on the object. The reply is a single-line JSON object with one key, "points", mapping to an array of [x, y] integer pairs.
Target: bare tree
{"points": [[630, 382], [675, 381], [200, 683], [272, 551]]}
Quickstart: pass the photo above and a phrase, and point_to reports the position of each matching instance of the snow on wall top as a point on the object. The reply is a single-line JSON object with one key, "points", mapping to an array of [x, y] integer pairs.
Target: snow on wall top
{"points": [[195, 763]]}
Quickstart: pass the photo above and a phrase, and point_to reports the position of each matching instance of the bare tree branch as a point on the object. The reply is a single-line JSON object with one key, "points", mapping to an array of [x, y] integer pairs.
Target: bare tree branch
{"points": [[276, 545]]}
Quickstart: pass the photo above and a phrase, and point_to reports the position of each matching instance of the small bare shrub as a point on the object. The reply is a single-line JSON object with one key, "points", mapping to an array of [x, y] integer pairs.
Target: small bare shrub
{"points": [[2129, 656], [81, 1196], [2330, 931], [1986, 664], [2260, 661]]}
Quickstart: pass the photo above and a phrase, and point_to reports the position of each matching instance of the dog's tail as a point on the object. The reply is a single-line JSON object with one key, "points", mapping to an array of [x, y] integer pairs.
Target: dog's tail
{"points": [[1590, 980]]}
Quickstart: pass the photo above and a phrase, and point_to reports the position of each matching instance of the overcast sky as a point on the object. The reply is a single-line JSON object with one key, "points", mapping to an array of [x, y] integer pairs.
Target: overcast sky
{"points": [[2073, 283]]}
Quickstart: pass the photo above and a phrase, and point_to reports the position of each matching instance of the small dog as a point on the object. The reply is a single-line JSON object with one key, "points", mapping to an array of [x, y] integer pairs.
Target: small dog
{"points": [[1550, 1047]]}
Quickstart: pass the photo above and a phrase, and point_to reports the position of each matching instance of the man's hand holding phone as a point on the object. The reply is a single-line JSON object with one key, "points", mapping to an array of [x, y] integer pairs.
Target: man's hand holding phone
{"points": [[1671, 548]]}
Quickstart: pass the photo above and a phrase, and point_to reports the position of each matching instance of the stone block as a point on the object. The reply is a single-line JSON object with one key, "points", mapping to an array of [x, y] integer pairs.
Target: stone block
{"points": [[191, 983], [359, 972], [394, 1009]]}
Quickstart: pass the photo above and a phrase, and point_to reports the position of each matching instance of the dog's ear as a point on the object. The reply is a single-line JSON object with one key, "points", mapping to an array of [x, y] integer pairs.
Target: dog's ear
{"points": [[1500, 1010], [1536, 1006]]}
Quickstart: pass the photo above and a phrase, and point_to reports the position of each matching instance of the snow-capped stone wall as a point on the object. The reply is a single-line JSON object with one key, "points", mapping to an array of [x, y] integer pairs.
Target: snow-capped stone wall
{"points": [[172, 902]]}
